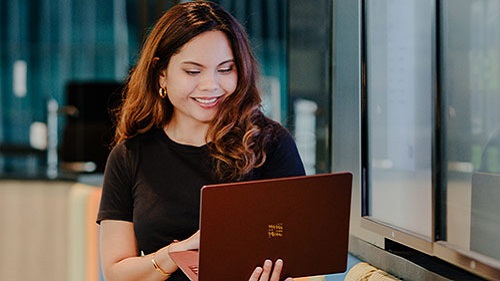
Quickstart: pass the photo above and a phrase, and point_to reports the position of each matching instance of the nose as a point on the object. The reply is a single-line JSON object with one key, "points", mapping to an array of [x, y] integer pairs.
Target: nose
{"points": [[209, 82]]}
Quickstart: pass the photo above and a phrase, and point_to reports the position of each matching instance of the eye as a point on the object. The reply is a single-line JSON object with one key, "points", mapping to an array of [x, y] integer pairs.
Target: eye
{"points": [[192, 72], [225, 69]]}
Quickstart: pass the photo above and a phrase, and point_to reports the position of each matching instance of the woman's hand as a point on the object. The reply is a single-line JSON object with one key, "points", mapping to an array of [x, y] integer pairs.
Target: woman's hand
{"points": [[264, 273], [191, 243]]}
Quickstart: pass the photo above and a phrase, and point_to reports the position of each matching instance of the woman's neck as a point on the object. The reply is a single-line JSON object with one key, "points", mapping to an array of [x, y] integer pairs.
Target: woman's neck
{"points": [[186, 133]]}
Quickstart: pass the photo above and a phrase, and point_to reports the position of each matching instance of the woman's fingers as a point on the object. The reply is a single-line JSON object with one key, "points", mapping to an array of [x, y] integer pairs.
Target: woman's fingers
{"points": [[267, 272], [256, 273], [278, 265], [268, 265]]}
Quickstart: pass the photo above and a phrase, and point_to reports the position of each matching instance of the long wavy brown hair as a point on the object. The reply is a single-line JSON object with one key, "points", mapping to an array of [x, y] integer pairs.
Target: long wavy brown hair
{"points": [[239, 132]]}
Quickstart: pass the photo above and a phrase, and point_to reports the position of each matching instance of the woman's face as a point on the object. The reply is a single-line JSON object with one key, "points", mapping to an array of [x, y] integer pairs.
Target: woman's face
{"points": [[199, 76]]}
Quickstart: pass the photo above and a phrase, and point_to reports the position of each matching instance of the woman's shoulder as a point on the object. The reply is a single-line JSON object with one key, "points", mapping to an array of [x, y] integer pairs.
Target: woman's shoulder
{"points": [[141, 139], [282, 158], [135, 144], [128, 151]]}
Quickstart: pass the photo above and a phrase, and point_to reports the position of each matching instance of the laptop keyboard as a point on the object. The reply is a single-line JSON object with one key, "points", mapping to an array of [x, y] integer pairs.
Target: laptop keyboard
{"points": [[194, 268]]}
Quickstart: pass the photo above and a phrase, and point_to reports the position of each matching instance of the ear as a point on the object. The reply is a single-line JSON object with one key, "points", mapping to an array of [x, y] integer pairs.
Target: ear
{"points": [[163, 73]]}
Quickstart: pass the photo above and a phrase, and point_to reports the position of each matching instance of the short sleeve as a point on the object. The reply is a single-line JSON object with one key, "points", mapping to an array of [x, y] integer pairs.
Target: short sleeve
{"points": [[117, 200]]}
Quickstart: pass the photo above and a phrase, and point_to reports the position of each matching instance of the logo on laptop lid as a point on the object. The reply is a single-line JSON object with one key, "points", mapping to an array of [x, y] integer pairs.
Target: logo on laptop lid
{"points": [[275, 230]]}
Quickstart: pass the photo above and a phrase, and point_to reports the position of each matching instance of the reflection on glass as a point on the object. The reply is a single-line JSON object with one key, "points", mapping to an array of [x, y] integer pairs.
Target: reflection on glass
{"points": [[471, 87], [399, 96]]}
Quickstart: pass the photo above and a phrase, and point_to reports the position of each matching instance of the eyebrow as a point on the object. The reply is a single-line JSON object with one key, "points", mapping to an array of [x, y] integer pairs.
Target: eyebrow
{"points": [[200, 65]]}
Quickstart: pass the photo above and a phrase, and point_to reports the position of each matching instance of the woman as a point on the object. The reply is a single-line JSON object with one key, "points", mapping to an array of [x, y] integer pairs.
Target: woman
{"points": [[191, 116]]}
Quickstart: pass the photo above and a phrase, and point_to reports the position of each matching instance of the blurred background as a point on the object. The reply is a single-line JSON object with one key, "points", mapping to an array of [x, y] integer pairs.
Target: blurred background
{"points": [[62, 64]]}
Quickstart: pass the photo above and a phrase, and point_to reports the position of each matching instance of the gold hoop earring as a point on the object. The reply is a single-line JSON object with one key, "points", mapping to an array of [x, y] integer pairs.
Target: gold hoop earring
{"points": [[162, 92]]}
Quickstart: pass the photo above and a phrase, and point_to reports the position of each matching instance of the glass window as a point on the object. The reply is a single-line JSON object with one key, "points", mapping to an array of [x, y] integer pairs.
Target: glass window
{"points": [[431, 126], [471, 89], [399, 95]]}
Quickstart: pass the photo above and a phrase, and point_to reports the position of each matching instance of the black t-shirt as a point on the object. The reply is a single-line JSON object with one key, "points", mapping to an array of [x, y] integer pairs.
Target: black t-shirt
{"points": [[155, 183]]}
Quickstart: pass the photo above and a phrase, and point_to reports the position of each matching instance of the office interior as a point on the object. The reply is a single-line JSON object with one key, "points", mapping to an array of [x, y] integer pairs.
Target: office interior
{"points": [[405, 94]]}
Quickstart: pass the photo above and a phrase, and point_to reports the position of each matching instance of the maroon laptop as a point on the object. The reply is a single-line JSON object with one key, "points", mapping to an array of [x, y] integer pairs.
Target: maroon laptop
{"points": [[302, 220]]}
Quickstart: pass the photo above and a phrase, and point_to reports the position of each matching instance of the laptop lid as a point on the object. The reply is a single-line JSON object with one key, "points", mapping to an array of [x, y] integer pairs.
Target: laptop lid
{"points": [[303, 220]]}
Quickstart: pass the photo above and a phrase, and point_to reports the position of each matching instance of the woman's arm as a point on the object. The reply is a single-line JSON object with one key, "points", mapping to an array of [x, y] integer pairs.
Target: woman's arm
{"points": [[120, 261], [119, 254]]}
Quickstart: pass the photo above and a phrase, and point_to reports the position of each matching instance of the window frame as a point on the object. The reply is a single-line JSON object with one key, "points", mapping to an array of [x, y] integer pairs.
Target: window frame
{"points": [[437, 245]]}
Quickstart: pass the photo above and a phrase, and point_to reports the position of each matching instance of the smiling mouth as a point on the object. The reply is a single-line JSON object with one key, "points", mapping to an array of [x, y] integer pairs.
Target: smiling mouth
{"points": [[207, 101]]}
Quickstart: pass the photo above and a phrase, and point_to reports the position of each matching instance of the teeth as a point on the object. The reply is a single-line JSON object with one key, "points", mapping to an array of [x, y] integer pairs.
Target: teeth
{"points": [[205, 101]]}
